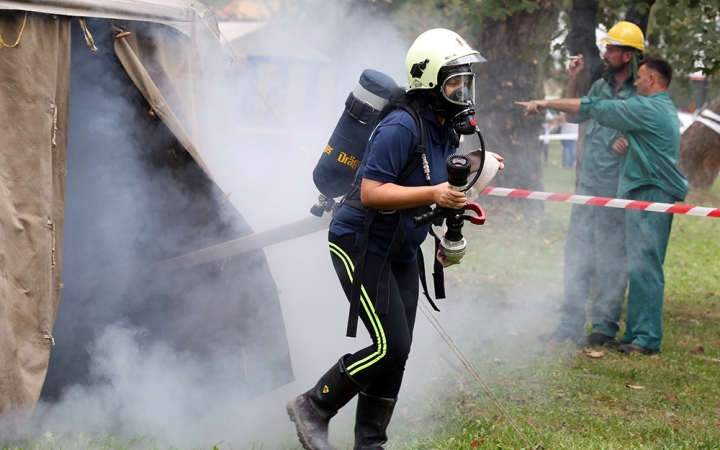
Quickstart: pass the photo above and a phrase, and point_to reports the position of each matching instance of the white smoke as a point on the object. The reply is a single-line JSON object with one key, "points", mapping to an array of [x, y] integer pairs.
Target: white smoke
{"points": [[261, 149]]}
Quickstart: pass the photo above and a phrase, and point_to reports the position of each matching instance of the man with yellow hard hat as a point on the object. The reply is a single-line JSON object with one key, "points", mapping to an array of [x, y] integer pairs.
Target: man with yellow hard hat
{"points": [[648, 173], [595, 244]]}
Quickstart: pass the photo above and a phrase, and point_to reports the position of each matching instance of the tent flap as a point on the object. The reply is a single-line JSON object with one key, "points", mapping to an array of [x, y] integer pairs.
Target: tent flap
{"points": [[34, 93], [154, 97]]}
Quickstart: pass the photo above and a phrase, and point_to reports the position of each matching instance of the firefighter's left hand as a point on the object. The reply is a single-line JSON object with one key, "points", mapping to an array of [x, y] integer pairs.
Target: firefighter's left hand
{"points": [[499, 158], [475, 160]]}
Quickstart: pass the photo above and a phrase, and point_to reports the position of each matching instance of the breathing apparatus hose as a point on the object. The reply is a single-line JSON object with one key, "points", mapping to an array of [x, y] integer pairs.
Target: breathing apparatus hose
{"points": [[482, 160]]}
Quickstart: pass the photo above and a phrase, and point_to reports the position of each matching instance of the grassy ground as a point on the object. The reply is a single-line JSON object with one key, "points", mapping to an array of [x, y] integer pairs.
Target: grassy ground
{"points": [[557, 394]]}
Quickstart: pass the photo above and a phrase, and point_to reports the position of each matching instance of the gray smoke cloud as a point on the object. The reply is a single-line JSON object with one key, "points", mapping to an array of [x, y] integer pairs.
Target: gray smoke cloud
{"points": [[176, 372]]}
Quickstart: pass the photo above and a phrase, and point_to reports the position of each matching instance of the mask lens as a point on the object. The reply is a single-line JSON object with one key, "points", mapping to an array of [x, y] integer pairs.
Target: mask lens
{"points": [[460, 89], [461, 95]]}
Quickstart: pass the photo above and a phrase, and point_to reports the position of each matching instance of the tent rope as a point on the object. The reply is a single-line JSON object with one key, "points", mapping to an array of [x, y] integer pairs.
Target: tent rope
{"points": [[2, 42], [50, 338], [234, 59], [51, 227], [55, 128], [88, 37]]}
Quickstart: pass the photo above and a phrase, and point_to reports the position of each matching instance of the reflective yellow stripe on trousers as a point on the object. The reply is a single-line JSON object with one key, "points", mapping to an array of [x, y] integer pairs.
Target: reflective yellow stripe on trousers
{"points": [[369, 310]]}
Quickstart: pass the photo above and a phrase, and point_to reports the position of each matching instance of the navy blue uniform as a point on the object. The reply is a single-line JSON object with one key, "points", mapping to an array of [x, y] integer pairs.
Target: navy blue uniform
{"points": [[388, 153], [380, 366]]}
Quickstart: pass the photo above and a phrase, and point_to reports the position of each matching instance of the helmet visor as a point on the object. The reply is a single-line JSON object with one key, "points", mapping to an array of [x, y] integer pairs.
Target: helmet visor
{"points": [[459, 89], [467, 59]]}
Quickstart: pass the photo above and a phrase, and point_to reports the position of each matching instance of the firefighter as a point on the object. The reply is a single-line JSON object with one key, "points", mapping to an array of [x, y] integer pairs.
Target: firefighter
{"points": [[373, 240]]}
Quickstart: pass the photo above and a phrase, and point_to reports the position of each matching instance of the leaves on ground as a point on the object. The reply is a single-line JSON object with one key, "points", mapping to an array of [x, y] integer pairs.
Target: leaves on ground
{"points": [[594, 353]]}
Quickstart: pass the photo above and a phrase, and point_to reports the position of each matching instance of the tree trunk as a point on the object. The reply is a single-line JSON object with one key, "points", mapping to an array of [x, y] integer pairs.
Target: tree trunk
{"points": [[700, 148], [512, 74], [581, 40], [639, 13]]}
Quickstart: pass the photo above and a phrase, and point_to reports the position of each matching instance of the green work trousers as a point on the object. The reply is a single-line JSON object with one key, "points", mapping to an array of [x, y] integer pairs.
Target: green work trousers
{"points": [[595, 246], [647, 237]]}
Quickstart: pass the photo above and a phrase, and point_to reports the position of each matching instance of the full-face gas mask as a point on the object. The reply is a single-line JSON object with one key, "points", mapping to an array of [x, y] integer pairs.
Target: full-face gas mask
{"points": [[455, 98]]}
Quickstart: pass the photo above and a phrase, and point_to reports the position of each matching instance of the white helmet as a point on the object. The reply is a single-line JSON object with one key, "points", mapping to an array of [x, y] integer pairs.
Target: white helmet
{"points": [[440, 60], [433, 51]]}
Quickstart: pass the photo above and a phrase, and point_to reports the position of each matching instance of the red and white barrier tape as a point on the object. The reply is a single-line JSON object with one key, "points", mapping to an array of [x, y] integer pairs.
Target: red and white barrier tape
{"points": [[603, 201]]}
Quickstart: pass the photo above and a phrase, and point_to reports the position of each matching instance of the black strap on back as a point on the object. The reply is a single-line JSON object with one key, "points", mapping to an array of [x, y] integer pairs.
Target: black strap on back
{"points": [[352, 198], [360, 111], [420, 148], [382, 294]]}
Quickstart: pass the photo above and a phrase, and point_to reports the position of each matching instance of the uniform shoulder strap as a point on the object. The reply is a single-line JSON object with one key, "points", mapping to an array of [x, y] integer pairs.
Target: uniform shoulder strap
{"points": [[420, 148]]}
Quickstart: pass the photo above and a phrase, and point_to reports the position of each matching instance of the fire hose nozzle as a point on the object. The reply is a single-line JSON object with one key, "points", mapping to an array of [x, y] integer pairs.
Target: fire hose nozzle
{"points": [[477, 209], [453, 251]]}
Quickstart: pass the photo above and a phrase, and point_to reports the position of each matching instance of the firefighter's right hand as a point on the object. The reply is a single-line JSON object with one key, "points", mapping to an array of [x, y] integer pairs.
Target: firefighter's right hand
{"points": [[447, 197]]}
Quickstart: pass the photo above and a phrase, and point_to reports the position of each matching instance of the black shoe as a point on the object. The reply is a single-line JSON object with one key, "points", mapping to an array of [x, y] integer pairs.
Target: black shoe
{"points": [[313, 410], [371, 421], [634, 348], [312, 429], [615, 343], [594, 339], [557, 335]]}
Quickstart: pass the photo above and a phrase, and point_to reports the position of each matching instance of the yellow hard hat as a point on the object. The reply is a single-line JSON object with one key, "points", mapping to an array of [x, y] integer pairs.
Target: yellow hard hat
{"points": [[625, 34]]}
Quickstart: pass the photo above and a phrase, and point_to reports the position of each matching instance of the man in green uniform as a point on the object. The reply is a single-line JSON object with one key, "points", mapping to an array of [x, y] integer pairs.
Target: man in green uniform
{"points": [[595, 245], [648, 172]]}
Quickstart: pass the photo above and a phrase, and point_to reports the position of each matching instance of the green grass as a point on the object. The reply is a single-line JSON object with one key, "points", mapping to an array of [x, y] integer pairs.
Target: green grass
{"points": [[555, 393]]}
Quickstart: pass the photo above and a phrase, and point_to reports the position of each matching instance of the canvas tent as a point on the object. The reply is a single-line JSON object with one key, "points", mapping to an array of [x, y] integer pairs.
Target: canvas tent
{"points": [[101, 175]]}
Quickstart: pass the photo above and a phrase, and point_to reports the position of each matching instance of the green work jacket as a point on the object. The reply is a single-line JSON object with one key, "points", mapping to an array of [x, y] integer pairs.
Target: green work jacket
{"points": [[600, 165], [652, 127]]}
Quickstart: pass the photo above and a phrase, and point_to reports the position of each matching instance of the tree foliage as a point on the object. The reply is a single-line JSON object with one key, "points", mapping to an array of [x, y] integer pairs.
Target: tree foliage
{"points": [[689, 34], [685, 32]]}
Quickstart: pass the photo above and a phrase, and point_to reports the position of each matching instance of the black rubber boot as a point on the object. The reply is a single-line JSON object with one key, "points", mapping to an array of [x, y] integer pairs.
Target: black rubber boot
{"points": [[371, 421], [313, 410]]}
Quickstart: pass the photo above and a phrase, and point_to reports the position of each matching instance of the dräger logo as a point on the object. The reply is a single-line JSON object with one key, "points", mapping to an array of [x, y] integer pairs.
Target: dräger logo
{"points": [[351, 161]]}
